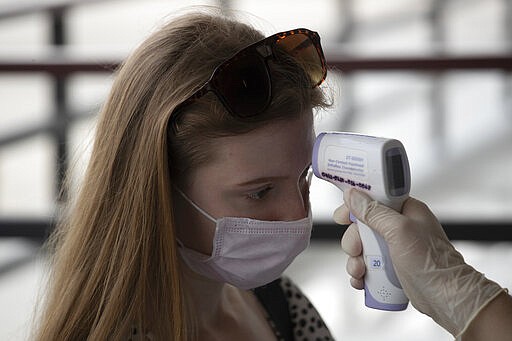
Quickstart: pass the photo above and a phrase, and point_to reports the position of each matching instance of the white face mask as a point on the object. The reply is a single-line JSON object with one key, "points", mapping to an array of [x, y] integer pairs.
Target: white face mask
{"points": [[249, 253]]}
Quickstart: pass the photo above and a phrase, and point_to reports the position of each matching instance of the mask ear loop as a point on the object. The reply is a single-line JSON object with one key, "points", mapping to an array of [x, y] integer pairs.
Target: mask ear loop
{"points": [[203, 212]]}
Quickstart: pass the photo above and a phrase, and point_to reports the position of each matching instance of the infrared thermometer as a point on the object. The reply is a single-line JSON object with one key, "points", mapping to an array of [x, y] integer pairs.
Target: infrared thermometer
{"points": [[379, 167]]}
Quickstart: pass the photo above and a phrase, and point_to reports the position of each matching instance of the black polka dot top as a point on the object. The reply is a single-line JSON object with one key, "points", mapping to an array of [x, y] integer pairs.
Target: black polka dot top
{"points": [[307, 323]]}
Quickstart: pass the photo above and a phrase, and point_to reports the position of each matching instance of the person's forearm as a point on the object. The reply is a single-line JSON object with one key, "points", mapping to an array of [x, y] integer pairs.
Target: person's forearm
{"points": [[494, 322]]}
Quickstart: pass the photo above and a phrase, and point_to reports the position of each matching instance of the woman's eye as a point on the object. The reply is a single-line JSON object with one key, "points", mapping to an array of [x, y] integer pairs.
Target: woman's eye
{"points": [[258, 195]]}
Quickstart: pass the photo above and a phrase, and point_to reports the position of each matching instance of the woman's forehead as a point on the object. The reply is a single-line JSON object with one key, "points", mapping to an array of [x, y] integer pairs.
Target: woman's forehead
{"points": [[278, 149]]}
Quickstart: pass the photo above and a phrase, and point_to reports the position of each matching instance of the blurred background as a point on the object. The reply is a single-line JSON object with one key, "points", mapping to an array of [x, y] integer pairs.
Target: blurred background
{"points": [[435, 74]]}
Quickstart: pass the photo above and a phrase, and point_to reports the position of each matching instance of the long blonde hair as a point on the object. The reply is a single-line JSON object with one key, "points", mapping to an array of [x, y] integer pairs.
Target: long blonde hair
{"points": [[115, 263]]}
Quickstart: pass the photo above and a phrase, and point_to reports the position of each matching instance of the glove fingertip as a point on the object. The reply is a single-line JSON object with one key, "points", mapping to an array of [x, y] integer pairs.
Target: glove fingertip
{"points": [[357, 283], [356, 202], [341, 215]]}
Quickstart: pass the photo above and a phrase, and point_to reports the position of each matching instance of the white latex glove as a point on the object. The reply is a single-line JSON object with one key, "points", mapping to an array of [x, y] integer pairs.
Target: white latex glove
{"points": [[433, 274]]}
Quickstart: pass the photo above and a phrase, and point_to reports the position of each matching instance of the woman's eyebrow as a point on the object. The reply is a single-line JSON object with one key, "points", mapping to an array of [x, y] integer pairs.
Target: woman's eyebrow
{"points": [[261, 180], [265, 179]]}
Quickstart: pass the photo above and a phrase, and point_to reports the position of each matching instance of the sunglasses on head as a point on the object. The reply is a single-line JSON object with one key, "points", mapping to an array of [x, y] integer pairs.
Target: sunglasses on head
{"points": [[243, 83]]}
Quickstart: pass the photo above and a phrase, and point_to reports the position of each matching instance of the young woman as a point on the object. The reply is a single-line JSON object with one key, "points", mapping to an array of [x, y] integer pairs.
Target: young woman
{"points": [[195, 198]]}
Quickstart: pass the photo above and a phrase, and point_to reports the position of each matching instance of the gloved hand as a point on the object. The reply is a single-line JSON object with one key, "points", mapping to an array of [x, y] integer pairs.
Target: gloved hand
{"points": [[433, 274]]}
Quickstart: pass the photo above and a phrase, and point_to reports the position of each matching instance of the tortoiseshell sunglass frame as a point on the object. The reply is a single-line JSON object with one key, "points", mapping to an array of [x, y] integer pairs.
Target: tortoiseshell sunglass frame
{"points": [[265, 49]]}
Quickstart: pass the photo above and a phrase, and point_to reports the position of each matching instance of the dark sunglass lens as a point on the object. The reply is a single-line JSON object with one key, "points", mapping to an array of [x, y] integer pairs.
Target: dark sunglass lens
{"points": [[244, 85], [302, 48]]}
